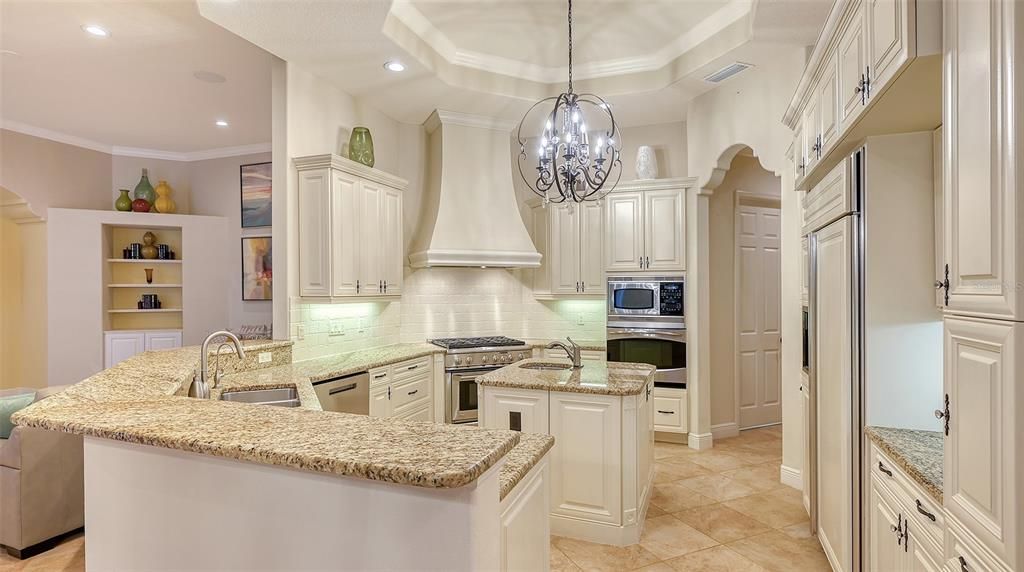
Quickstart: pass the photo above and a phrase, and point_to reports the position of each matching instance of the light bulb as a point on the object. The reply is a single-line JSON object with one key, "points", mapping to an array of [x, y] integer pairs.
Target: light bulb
{"points": [[547, 125], [575, 116]]}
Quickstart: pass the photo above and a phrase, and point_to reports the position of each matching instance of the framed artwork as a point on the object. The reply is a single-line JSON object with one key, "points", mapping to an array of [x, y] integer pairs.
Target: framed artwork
{"points": [[257, 268], [256, 194]]}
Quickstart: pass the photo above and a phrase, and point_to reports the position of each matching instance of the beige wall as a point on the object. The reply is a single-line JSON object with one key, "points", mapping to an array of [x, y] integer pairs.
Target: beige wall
{"points": [[50, 174], [23, 299], [744, 174], [669, 143], [126, 172]]}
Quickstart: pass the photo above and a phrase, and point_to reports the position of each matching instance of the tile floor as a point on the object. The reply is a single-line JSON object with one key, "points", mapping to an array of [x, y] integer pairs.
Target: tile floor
{"points": [[722, 510]]}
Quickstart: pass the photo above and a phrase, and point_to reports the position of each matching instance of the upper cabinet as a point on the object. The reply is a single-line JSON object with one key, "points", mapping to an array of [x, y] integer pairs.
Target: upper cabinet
{"points": [[865, 47], [570, 238], [645, 227], [984, 238], [349, 229]]}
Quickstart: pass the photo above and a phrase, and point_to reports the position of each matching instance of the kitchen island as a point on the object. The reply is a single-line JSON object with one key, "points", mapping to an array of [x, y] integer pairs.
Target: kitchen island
{"points": [[174, 482], [600, 416]]}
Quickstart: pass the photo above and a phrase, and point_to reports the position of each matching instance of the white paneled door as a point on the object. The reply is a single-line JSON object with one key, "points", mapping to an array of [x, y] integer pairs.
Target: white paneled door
{"points": [[758, 322]]}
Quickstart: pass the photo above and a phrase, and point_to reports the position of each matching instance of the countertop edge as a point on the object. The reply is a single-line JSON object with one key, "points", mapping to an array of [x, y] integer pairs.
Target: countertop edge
{"points": [[533, 447], [934, 490]]}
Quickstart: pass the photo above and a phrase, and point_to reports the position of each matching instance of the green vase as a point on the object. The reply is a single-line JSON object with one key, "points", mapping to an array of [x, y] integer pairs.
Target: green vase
{"points": [[123, 202], [360, 146], [144, 190]]}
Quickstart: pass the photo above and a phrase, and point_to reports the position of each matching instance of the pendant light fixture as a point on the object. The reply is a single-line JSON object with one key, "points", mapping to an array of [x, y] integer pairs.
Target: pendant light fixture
{"points": [[576, 161]]}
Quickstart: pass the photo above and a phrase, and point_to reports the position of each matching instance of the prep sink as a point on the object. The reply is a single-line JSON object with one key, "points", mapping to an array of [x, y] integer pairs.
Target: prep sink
{"points": [[546, 366], [281, 396]]}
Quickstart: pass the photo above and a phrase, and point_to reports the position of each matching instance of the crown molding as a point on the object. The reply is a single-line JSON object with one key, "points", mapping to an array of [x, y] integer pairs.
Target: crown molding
{"points": [[442, 117], [139, 152]]}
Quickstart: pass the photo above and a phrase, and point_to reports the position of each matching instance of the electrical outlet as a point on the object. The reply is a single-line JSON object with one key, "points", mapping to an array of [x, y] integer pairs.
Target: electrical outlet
{"points": [[336, 328], [300, 332], [579, 319], [265, 357]]}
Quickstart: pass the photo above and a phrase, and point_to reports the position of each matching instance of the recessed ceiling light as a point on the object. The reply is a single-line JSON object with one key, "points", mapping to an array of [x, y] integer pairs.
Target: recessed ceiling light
{"points": [[95, 30], [394, 65], [209, 76], [221, 123]]}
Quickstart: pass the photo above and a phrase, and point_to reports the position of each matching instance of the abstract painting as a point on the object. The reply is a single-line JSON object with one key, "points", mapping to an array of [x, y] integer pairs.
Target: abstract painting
{"points": [[256, 195], [257, 268]]}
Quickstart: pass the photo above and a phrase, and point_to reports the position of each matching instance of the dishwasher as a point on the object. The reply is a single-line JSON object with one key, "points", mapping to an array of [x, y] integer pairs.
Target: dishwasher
{"points": [[347, 394]]}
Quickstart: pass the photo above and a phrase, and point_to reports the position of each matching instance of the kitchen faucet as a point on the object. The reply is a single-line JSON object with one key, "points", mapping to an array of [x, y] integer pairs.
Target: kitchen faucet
{"points": [[572, 349], [200, 388]]}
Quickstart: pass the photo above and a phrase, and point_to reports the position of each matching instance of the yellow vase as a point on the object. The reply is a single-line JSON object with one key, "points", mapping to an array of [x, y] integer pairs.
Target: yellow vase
{"points": [[164, 203]]}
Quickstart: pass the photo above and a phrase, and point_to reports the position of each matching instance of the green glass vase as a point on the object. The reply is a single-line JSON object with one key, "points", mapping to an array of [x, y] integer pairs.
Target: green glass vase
{"points": [[123, 202], [144, 190], [360, 146]]}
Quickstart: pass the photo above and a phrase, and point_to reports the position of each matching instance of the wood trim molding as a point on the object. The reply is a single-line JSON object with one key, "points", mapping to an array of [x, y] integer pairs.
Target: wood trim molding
{"points": [[351, 167], [791, 477]]}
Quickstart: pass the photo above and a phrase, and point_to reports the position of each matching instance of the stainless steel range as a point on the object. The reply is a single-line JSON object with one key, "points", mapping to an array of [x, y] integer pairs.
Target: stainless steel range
{"points": [[467, 358]]}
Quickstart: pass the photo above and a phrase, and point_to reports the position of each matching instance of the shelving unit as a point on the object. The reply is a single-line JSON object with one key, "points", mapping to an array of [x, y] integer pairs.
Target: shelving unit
{"points": [[144, 311], [143, 261], [125, 282], [143, 285]]}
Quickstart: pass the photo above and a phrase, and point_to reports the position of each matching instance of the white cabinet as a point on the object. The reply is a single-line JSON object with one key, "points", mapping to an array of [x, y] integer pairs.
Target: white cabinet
{"points": [[121, 345], [645, 227], [403, 390], [515, 409], [885, 531], [349, 229], [525, 528], [668, 407], [585, 355], [571, 242], [805, 271], [851, 58], [983, 477], [889, 37], [984, 244]]}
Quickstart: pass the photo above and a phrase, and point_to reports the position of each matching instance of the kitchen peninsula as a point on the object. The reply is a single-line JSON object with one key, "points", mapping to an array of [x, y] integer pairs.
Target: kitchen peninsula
{"points": [[600, 416], [174, 482]]}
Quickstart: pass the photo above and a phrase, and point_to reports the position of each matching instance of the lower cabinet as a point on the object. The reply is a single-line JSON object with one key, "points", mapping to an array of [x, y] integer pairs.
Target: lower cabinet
{"points": [[885, 531], [668, 406], [516, 409], [121, 345], [525, 527], [403, 390]]}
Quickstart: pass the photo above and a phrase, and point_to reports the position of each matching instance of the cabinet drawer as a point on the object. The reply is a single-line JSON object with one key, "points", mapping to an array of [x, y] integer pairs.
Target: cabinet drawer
{"points": [[408, 394], [412, 368], [416, 413], [379, 376], [668, 413], [925, 512]]}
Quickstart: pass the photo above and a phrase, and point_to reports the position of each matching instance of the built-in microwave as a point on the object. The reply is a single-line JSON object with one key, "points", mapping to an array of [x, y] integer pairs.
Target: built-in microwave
{"points": [[650, 299]]}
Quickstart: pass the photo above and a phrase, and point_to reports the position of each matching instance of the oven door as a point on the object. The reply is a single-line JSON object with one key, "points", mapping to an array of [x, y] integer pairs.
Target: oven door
{"points": [[664, 349], [634, 299], [462, 395]]}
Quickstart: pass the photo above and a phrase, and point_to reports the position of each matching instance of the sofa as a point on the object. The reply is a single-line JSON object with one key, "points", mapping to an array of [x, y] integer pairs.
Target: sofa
{"points": [[42, 490]]}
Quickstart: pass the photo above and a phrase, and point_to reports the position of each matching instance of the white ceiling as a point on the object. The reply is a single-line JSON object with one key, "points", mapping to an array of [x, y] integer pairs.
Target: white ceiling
{"points": [[135, 88]]}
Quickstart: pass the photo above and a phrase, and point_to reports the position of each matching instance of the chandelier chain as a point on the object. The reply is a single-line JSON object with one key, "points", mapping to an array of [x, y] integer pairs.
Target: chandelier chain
{"points": [[570, 46]]}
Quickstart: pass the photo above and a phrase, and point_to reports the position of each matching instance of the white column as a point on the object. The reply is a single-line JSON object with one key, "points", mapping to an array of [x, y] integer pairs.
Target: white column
{"points": [[698, 325]]}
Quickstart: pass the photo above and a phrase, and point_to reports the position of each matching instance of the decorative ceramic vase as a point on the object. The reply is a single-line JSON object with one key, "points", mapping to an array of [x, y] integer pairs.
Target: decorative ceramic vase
{"points": [[140, 206], [123, 202], [149, 275], [360, 146], [164, 203], [149, 250], [646, 163], [144, 190]]}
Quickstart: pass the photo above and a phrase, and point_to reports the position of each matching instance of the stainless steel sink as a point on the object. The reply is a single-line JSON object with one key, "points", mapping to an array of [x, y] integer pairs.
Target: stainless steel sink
{"points": [[280, 397], [546, 366]]}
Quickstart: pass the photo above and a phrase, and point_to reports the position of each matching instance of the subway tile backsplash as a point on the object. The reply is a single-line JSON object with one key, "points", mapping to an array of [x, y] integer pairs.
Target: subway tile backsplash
{"points": [[443, 302]]}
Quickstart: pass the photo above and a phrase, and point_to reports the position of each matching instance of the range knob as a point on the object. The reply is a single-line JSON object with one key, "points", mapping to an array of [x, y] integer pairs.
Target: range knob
{"points": [[458, 360], [521, 356], [486, 358], [469, 360]]}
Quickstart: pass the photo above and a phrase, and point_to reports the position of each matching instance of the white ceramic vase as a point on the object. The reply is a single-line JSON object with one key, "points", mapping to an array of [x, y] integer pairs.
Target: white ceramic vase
{"points": [[646, 163]]}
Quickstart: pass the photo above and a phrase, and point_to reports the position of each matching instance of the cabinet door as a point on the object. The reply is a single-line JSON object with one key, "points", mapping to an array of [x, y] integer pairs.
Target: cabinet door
{"points": [[664, 230], [883, 554], [163, 340], [668, 413], [516, 409], [315, 233], [525, 526], [810, 121], [799, 160], [828, 105], [805, 402], [917, 557], [371, 278], [564, 249], [540, 228], [586, 462], [393, 256], [980, 477], [380, 401], [852, 66], [984, 236], [591, 239], [888, 39], [623, 232], [120, 346], [645, 442], [804, 272], [345, 239]]}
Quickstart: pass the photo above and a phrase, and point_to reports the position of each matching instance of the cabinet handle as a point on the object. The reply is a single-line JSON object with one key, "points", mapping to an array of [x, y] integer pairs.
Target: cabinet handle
{"points": [[963, 565], [414, 392], [412, 367], [920, 509], [648, 258], [380, 376], [577, 287], [641, 262], [943, 414], [666, 412], [385, 286], [583, 286], [337, 390], [944, 285], [882, 468], [357, 286]]}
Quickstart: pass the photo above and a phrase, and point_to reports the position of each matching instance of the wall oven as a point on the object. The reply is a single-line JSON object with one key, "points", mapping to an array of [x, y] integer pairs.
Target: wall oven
{"points": [[661, 347], [655, 302]]}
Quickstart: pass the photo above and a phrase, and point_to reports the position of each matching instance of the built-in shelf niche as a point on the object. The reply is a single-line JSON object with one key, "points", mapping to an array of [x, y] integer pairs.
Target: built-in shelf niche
{"points": [[125, 280]]}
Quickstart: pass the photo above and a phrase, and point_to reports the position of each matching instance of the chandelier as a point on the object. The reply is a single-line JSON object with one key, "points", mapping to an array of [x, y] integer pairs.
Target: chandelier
{"points": [[573, 163]]}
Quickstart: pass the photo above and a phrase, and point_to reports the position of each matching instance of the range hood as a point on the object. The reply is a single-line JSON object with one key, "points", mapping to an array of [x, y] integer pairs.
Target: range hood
{"points": [[471, 216]]}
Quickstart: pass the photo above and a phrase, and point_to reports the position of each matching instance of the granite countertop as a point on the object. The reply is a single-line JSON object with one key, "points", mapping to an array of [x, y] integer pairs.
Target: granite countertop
{"points": [[613, 378], [531, 448], [918, 453], [140, 401]]}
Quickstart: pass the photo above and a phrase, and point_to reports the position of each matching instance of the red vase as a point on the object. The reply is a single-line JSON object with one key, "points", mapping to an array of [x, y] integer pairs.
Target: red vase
{"points": [[140, 206]]}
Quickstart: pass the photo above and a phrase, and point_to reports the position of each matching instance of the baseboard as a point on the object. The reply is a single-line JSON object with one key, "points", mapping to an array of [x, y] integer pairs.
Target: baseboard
{"points": [[666, 437], [700, 442], [791, 477], [725, 430]]}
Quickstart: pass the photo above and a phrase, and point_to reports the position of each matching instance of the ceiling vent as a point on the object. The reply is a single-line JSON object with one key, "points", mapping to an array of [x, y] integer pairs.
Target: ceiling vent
{"points": [[727, 72]]}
